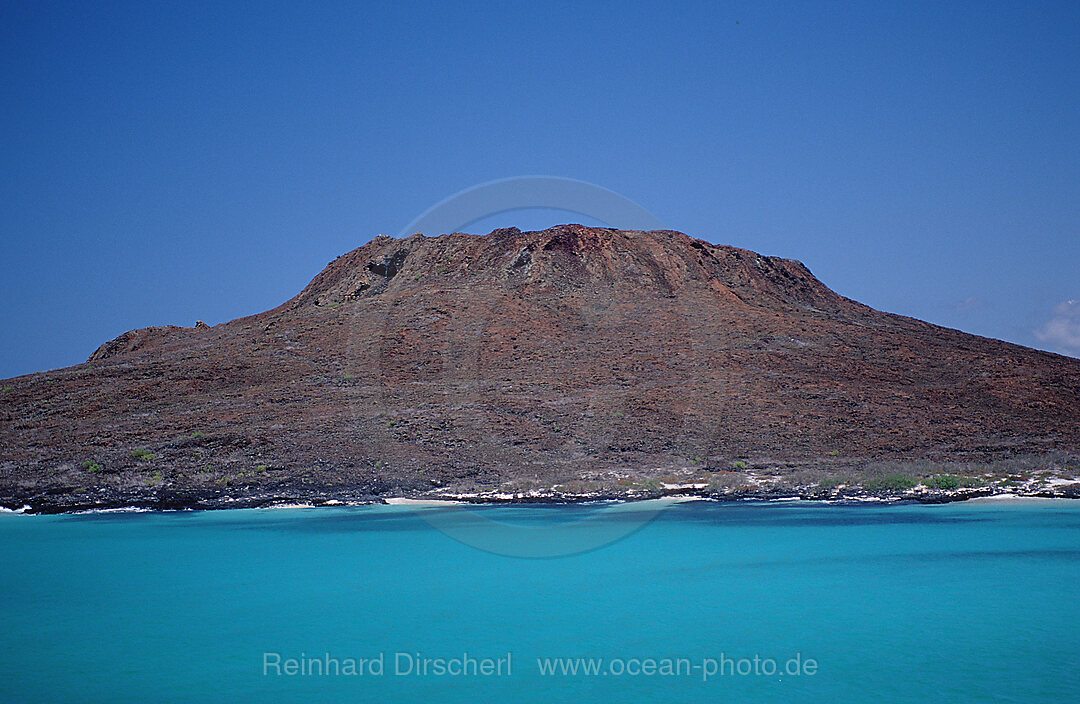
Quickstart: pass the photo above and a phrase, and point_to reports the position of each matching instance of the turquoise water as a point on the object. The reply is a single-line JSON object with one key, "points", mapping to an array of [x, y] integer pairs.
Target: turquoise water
{"points": [[961, 603]]}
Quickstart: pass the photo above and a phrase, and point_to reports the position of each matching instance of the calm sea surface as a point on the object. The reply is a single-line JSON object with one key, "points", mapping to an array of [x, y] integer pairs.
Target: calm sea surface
{"points": [[782, 602]]}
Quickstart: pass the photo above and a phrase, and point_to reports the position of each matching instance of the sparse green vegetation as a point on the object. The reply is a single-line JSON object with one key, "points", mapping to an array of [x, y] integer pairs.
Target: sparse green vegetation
{"points": [[889, 482], [261, 468], [738, 464], [834, 453], [944, 481], [142, 454], [347, 376], [948, 482], [648, 486], [198, 434], [8, 389], [379, 464], [901, 475], [392, 423], [92, 467]]}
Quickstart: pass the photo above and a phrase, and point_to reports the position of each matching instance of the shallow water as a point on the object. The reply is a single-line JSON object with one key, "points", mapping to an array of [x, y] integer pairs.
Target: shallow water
{"points": [[962, 603]]}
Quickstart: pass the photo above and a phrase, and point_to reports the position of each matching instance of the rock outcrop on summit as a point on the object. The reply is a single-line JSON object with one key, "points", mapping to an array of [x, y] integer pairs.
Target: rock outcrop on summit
{"points": [[560, 355]]}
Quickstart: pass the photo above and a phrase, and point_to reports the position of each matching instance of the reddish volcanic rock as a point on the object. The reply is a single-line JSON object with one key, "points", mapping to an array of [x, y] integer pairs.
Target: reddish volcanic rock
{"points": [[569, 352]]}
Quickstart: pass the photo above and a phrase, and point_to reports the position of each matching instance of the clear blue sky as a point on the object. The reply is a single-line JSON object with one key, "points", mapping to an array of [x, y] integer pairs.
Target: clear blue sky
{"points": [[163, 164]]}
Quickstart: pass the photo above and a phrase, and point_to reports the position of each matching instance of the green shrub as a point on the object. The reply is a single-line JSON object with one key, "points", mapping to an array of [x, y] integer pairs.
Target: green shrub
{"points": [[198, 434], [738, 464], [142, 454], [93, 467], [949, 482]]}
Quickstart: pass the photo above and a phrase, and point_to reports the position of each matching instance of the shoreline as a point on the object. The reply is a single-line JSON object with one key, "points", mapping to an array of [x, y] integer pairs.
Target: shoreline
{"points": [[193, 501]]}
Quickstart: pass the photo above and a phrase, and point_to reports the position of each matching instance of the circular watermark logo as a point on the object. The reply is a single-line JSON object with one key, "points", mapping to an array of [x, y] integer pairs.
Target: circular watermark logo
{"points": [[456, 371], [524, 192]]}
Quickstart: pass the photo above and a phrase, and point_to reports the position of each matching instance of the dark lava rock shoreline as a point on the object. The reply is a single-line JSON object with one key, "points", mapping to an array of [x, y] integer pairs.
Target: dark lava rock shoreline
{"points": [[197, 501]]}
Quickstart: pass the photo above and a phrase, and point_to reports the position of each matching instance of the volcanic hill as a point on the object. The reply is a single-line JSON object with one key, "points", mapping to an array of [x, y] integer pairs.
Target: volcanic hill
{"points": [[523, 359]]}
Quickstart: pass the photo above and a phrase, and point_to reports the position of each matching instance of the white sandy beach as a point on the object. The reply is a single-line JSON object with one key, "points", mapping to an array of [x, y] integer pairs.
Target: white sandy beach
{"points": [[402, 501]]}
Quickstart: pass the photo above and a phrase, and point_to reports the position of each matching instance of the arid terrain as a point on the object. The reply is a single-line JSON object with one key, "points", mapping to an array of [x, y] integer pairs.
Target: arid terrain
{"points": [[565, 363]]}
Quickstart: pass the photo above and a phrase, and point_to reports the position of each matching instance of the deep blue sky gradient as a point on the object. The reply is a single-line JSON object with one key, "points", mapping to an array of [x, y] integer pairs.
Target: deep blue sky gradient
{"points": [[167, 163]]}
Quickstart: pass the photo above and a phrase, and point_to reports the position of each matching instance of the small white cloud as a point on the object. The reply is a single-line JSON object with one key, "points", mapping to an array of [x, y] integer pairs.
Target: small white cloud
{"points": [[1062, 331]]}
